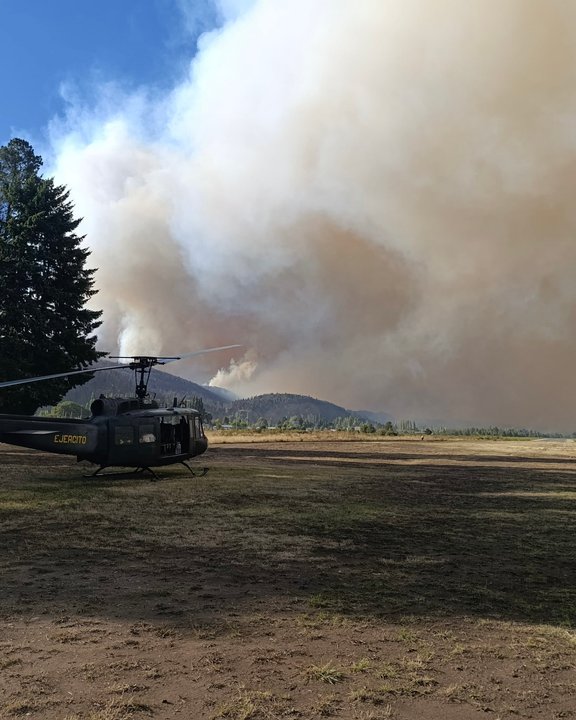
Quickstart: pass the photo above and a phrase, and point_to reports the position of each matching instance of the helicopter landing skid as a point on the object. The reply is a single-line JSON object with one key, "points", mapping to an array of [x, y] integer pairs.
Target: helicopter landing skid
{"points": [[195, 474], [137, 471]]}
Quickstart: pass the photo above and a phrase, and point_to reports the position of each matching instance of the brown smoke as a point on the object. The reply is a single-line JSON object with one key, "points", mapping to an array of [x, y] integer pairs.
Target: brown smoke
{"points": [[375, 197]]}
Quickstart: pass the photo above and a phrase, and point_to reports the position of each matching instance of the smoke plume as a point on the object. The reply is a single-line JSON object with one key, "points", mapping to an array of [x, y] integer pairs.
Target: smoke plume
{"points": [[376, 198]]}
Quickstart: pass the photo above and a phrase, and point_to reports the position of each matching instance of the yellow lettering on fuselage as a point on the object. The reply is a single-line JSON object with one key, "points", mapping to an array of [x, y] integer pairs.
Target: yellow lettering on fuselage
{"points": [[71, 439]]}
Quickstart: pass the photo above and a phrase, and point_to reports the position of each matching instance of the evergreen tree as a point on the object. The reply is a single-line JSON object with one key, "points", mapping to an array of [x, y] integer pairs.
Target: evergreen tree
{"points": [[44, 284], [197, 403]]}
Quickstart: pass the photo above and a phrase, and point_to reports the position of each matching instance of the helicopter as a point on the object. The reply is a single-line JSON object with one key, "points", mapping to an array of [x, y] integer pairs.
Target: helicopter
{"points": [[121, 432]]}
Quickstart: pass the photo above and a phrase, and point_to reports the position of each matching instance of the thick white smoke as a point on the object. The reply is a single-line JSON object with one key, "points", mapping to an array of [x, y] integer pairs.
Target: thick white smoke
{"points": [[375, 197]]}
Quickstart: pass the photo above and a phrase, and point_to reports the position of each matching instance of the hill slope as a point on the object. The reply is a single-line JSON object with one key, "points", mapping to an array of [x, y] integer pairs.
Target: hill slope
{"points": [[120, 383], [274, 407]]}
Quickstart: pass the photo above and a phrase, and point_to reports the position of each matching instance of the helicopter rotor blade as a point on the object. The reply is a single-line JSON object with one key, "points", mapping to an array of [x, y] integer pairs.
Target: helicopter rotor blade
{"points": [[25, 381], [166, 360], [138, 362]]}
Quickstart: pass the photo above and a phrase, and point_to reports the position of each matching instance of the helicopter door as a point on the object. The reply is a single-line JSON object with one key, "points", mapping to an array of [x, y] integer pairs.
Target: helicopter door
{"points": [[123, 443], [184, 434], [167, 436], [147, 440], [174, 435]]}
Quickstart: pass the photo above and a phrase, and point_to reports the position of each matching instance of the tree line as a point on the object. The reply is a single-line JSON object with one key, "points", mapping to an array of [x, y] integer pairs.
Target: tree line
{"points": [[45, 326], [300, 423]]}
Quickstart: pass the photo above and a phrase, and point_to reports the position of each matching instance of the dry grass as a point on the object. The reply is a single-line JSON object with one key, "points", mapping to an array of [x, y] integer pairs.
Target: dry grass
{"points": [[326, 673], [375, 579]]}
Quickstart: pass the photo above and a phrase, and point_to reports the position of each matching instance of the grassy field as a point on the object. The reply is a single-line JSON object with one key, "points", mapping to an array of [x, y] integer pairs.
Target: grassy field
{"points": [[301, 578]]}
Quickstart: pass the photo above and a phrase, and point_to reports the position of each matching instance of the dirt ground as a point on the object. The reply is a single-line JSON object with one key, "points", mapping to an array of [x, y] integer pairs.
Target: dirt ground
{"points": [[305, 578]]}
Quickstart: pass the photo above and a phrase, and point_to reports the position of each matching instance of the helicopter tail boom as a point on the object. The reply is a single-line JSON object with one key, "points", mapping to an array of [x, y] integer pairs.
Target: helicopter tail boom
{"points": [[66, 437]]}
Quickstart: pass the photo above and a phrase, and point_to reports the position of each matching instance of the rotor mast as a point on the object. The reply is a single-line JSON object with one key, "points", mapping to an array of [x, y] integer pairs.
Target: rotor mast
{"points": [[142, 367]]}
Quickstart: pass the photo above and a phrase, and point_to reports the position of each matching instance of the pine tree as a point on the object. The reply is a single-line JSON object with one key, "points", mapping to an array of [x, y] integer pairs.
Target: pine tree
{"points": [[44, 284], [197, 403]]}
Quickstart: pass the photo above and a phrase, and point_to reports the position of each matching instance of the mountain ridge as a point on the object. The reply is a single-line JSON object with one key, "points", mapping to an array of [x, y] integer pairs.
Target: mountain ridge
{"points": [[165, 387]]}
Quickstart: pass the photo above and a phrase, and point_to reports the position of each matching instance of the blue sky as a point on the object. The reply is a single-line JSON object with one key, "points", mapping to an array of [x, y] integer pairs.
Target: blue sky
{"points": [[48, 44]]}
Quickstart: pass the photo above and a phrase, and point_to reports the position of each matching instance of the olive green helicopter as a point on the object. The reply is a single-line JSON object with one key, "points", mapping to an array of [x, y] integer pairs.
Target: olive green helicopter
{"points": [[131, 433]]}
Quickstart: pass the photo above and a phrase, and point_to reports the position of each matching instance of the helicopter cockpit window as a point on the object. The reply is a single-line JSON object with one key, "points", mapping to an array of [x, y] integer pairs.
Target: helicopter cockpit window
{"points": [[146, 434], [123, 435], [199, 430]]}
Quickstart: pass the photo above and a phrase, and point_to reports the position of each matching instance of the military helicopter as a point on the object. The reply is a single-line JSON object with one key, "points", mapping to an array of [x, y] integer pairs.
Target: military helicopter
{"points": [[122, 432]]}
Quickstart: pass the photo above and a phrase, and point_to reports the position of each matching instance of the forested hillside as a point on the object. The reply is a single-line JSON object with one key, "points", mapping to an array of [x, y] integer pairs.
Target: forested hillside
{"points": [[278, 406], [217, 403]]}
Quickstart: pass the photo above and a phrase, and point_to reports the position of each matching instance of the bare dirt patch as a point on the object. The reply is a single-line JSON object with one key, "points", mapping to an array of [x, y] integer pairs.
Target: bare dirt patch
{"points": [[387, 579]]}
